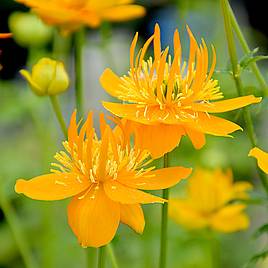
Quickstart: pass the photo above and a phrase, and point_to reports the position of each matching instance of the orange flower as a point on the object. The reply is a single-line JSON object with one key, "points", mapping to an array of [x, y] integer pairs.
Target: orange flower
{"points": [[210, 202], [105, 178], [262, 158], [170, 98], [69, 15], [5, 35]]}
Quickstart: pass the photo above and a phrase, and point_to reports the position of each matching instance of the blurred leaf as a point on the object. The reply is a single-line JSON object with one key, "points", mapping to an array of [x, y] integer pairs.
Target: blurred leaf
{"points": [[261, 230], [259, 257], [249, 58]]}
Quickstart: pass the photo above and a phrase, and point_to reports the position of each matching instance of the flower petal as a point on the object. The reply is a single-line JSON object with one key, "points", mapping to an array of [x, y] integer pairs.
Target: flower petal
{"points": [[52, 186], [122, 13], [262, 158], [182, 213], [158, 179], [132, 215], [130, 111], [215, 125], [94, 218], [5, 35], [111, 82], [197, 138], [230, 219], [226, 105], [126, 195], [157, 139], [240, 189]]}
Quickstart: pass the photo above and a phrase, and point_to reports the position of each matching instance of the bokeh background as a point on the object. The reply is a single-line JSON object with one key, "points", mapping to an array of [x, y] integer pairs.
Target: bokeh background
{"points": [[29, 134]]}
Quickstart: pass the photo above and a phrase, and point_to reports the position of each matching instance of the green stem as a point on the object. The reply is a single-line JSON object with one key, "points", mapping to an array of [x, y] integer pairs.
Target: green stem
{"points": [[58, 113], [16, 229], [91, 257], [79, 37], [254, 67], [101, 257], [238, 82], [106, 33], [164, 223], [112, 255], [214, 249]]}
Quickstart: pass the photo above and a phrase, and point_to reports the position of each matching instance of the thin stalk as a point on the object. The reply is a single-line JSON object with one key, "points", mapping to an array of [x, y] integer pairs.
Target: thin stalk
{"points": [[112, 255], [79, 37], [91, 257], [58, 113], [106, 33], [164, 223], [214, 249], [238, 82], [242, 40], [101, 257], [17, 231]]}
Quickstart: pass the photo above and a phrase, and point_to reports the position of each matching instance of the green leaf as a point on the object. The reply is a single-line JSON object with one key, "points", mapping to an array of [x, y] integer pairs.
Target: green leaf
{"points": [[249, 58], [259, 257], [261, 230]]}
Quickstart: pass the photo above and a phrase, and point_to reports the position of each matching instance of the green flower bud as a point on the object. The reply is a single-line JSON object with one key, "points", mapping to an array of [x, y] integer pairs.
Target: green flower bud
{"points": [[28, 30], [48, 77]]}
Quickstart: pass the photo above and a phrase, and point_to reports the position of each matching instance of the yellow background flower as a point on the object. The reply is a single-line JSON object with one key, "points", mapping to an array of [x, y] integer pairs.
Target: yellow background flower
{"points": [[105, 178], [208, 202], [69, 15], [170, 98]]}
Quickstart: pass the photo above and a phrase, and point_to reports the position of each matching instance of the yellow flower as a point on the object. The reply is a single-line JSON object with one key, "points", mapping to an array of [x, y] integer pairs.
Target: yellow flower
{"points": [[48, 77], [70, 15], [168, 98], [209, 202], [105, 178], [262, 158]]}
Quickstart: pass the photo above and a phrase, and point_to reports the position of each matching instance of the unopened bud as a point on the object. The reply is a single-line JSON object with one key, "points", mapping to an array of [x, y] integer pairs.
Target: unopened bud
{"points": [[48, 77]]}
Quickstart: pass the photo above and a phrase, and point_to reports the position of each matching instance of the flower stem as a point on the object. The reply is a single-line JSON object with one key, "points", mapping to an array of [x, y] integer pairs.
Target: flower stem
{"points": [[214, 248], [91, 257], [101, 257], [239, 84], [16, 229], [164, 223], [78, 53], [242, 40], [58, 113], [112, 255]]}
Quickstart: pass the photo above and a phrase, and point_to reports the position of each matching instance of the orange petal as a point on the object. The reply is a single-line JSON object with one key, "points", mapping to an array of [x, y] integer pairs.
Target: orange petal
{"points": [[215, 125], [130, 111], [123, 13], [226, 105], [157, 139], [52, 186], [94, 218], [262, 158], [111, 82], [132, 215], [5, 35], [230, 219], [158, 179], [197, 138], [126, 195]]}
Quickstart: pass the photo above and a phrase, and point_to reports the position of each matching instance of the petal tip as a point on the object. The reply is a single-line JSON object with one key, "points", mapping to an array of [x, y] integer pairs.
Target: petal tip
{"points": [[19, 186]]}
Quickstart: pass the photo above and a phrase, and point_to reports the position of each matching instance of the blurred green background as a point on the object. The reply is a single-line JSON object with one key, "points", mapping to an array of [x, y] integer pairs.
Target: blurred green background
{"points": [[29, 136]]}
